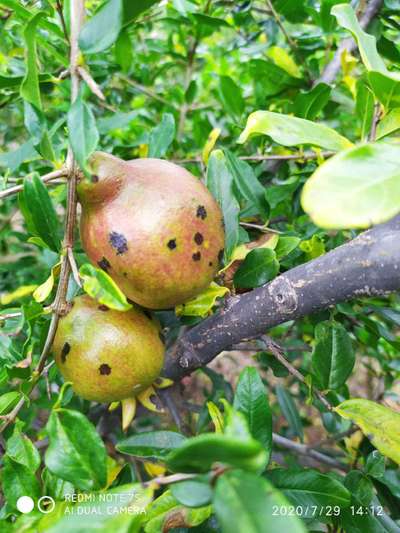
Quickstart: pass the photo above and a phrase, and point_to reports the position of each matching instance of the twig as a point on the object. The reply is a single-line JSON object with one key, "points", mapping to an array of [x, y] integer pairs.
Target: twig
{"points": [[47, 177], [166, 480], [300, 157], [303, 449], [10, 315], [59, 305], [93, 86], [263, 229], [146, 91], [74, 267], [331, 70], [277, 18], [277, 352], [375, 121], [59, 9]]}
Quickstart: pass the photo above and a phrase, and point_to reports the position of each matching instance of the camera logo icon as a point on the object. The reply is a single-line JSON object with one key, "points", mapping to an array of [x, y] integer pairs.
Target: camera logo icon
{"points": [[45, 504]]}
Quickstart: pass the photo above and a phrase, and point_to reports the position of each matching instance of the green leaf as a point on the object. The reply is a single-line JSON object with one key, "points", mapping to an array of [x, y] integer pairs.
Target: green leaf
{"points": [[198, 454], [269, 79], [386, 88], [231, 96], [18, 480], [346, 18], [102, 30], [21, 449], [75, 453], [333, 356], [309, 104], [286, 245], [309, 489], [82, 131], [364, 107], [356, 188], [360, 487], [247, 184], [39, 212], [154, 444], [99, 285], [161, 136], [379, 423], [251, 400], [36, 125], [124, 51], [259, 267], [192, 493], [220, 183], [245, 503], [14, 159], [8, 400], [275, 194], [292, 131], [133, 9], [389, 124], [289, 411], [30, 90], [202, 304]]}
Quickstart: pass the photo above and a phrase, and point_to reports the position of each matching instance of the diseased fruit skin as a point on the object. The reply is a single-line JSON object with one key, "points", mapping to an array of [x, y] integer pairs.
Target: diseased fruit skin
{"points": [[153, 226], [107, 355]]}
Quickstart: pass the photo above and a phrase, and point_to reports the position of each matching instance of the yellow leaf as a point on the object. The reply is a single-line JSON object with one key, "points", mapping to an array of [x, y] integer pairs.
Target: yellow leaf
{"points": [[128, 412], [202, 304], [143, 150], [154, 469], [149, 399], [281, 58], [379, 423], [43, 291], [216, 417], [9, 297], [241, 251], [113, 469], [208, 147], [162, 383], [350, 82], [348, 62]]}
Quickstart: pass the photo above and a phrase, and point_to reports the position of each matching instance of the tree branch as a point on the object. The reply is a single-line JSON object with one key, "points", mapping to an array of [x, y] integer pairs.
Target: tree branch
{"points": [[59, 305], [366, 266], [45, 178], [331, 70]]}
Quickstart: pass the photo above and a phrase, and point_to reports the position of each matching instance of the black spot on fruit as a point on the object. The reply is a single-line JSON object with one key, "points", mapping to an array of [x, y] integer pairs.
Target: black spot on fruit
{"points": [[65, 351], [104, 369], [125, 274], [104, 264], [201, 212], [210, 264], [118, 242], [196, 256], [95, 179], [220, 255], [198, 238], [171, 244], [103, 308]]}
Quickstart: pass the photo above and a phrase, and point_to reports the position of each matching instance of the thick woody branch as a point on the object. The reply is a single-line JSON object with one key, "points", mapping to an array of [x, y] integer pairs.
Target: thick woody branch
{"points": [[331, 70], [369, 265]]}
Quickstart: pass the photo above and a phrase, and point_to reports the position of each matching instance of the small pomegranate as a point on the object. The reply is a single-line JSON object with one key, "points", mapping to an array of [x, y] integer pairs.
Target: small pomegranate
{"points": [[152, 226], [107, 355]]}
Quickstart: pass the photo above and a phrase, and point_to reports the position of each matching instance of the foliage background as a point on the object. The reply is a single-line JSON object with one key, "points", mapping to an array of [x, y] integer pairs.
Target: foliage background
{"points": [[179, 80]]}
